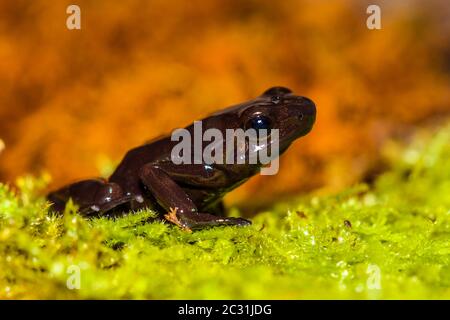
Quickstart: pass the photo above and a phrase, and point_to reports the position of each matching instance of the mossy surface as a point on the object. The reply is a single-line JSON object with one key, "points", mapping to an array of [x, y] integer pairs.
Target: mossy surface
{"points": [[386, 241]]}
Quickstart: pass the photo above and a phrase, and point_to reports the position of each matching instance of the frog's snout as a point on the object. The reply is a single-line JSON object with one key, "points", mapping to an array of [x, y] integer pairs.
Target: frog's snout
{"points": [[305, 113]]}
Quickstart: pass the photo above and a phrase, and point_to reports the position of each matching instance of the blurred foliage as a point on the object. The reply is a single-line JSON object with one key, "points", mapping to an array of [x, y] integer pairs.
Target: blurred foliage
{"points": [[387, 241], [140, 69]]}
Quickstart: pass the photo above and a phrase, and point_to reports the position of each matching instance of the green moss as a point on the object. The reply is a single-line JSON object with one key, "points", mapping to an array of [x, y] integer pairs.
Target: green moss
{"points": [[390, 240]]}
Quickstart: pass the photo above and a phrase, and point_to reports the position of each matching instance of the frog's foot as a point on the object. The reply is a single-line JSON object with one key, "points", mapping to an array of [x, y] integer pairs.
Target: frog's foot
{"points": [[192, 221], [93, 197], [172, 217]]}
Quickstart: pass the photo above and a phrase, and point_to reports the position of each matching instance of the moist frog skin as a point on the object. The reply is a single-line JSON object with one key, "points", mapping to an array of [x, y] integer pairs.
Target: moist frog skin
{"points": [[190, 195]]}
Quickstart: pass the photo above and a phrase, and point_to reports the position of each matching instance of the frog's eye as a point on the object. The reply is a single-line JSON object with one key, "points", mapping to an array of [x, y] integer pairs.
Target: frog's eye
{"points": [[259, 122]]}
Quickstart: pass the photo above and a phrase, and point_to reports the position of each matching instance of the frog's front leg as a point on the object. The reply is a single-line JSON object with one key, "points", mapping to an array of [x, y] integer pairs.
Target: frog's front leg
{"points": [[182, 210]]}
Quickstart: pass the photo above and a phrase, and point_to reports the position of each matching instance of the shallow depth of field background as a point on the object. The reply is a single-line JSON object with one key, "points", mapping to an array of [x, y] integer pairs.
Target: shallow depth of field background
{"points": [[72, 102]]}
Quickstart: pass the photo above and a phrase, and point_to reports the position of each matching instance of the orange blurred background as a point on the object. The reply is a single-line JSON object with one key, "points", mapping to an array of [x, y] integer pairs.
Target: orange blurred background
{"points": [[70, 100]]}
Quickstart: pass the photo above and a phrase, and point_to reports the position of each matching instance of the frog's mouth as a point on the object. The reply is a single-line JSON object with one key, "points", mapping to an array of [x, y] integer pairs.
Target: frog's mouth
{"points": [[300, 123]]}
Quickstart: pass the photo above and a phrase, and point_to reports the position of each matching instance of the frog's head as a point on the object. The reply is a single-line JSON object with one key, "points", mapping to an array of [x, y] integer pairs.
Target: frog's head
{"points": [[277, 108]]}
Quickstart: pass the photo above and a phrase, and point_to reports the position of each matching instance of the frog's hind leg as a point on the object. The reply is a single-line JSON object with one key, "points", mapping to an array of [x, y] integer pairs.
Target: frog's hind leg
{"points": [[93, 196]]}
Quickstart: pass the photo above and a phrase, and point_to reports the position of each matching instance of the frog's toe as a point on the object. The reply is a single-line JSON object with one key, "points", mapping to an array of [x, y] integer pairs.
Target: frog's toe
{"points": [[192, 221], [211, 220], [239, 221]]}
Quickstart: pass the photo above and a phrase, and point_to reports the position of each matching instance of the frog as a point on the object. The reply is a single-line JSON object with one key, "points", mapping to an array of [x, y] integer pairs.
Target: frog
{"points": [[190, 195]]}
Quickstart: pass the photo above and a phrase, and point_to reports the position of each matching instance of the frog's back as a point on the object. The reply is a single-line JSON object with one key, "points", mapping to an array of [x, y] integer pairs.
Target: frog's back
{"points": [[127, 173]]}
